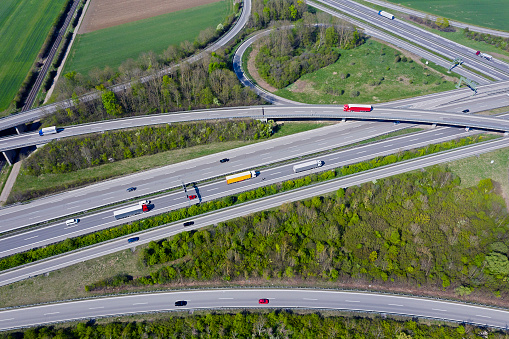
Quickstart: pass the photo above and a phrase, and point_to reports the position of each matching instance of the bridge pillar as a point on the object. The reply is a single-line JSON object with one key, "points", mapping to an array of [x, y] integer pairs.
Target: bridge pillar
{"points": [[467, 129], [506, 134], [10, 156], [21, 128], [343, 120], [434, 126]]}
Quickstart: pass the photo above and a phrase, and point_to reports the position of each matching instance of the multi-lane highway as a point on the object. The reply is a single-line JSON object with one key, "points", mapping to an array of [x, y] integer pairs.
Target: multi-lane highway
{"points": [[51, 264], [194, 170], [341, 135], [248, 299], [495, 69]]}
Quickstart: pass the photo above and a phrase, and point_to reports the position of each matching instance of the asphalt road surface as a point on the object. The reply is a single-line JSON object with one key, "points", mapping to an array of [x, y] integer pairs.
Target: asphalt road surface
{"points": [[104, 219], [495, 69], [41, 267], [195, 170], [248, 299], [452, 118]]}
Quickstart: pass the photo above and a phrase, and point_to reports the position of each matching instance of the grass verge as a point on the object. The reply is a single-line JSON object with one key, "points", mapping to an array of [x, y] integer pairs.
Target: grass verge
{"points": [[4, 175], [366, 74], [111, 46]]}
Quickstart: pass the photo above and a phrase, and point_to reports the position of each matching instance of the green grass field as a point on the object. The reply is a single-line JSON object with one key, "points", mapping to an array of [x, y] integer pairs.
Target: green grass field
{"points": [[487, 13], [362, 70], [24, 25], [111, 46]]}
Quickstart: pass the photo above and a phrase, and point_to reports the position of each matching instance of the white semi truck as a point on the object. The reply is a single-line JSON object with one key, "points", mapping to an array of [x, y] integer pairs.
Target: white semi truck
{"points": [[386, 15], [48, 130], [132, 210], [307, 166]]}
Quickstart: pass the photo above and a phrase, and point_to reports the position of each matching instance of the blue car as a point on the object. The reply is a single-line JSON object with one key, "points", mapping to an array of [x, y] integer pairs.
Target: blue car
{"points": [[133, 239], [130, 189]]}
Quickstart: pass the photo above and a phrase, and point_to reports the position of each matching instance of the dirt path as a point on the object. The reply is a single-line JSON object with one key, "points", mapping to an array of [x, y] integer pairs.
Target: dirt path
{"points": [[10, 182], [251, 68]]}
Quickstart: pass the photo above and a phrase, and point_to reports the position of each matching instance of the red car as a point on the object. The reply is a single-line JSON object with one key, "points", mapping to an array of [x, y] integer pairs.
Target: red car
{"points": [[263, 301], [191, 197]]}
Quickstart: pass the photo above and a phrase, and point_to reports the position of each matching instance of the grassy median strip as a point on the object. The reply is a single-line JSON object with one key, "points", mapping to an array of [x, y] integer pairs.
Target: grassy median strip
{"points": [[173, 216]]}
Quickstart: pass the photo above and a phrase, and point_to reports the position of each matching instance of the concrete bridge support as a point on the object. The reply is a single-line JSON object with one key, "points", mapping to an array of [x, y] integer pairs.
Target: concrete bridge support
{"points": [[10, 156], [21, 128]]}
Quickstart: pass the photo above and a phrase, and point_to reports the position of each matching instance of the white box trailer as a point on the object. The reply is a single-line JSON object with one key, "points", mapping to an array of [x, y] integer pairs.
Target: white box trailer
{"points": [[128, 211], [307, 166], [386, 15], [48, 130]]}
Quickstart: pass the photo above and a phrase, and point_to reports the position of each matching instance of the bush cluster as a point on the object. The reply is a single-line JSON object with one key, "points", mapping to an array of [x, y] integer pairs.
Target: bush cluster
{"points": [[417, 228], [276, 324], [497, 41], [136, 226], [72, 154]]}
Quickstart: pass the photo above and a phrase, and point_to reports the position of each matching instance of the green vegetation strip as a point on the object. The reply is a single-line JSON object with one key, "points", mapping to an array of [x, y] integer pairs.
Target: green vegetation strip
{"points": [[173, 216], [262, 324], [413, 228]]}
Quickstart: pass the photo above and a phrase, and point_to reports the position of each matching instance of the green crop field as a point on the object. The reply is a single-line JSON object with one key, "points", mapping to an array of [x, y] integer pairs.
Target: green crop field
{"points": [[111, 46], [24, 25], [366, 74], [487, 13]]}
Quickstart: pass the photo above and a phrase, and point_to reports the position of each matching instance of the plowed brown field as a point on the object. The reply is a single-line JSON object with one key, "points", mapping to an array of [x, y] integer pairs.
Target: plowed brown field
{"points": [[107, 13]]}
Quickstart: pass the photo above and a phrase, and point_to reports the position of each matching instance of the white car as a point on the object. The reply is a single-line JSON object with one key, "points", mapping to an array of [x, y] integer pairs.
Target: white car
{"points": [[72, 222], [144, 202]]}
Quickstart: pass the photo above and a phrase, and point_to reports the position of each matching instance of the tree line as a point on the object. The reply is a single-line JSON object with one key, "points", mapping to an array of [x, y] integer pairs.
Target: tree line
{"points": [[252, 324], [73, 154], [165, 218], [497, 41], [417, 228], [287, 54]]}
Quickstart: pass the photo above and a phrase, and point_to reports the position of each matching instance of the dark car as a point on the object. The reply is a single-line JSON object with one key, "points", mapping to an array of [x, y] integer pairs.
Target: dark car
{"points": [[180, 303], [465, 111], [133, 239], [130, 189], [263, 301], [188, 223], [191, 197], [224, 160]]}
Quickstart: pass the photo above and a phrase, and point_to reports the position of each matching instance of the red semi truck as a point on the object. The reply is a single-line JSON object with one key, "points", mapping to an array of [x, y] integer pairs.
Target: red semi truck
{"points": [[357, 108]]}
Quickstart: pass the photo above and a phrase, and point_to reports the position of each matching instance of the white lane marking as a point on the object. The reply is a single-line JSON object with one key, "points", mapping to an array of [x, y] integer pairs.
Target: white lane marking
{"points": [[140, 303], [388, 146], [6, 319], [482, 316], [213, 189], [224, 298], [395, 305], [439, 133], [309, 299], [415, 139], [70, 226], [276, 173], [437, 309], [51, 313], [352, 301], [35, 236], [95, 308], [106, 217], [361, 152]]}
